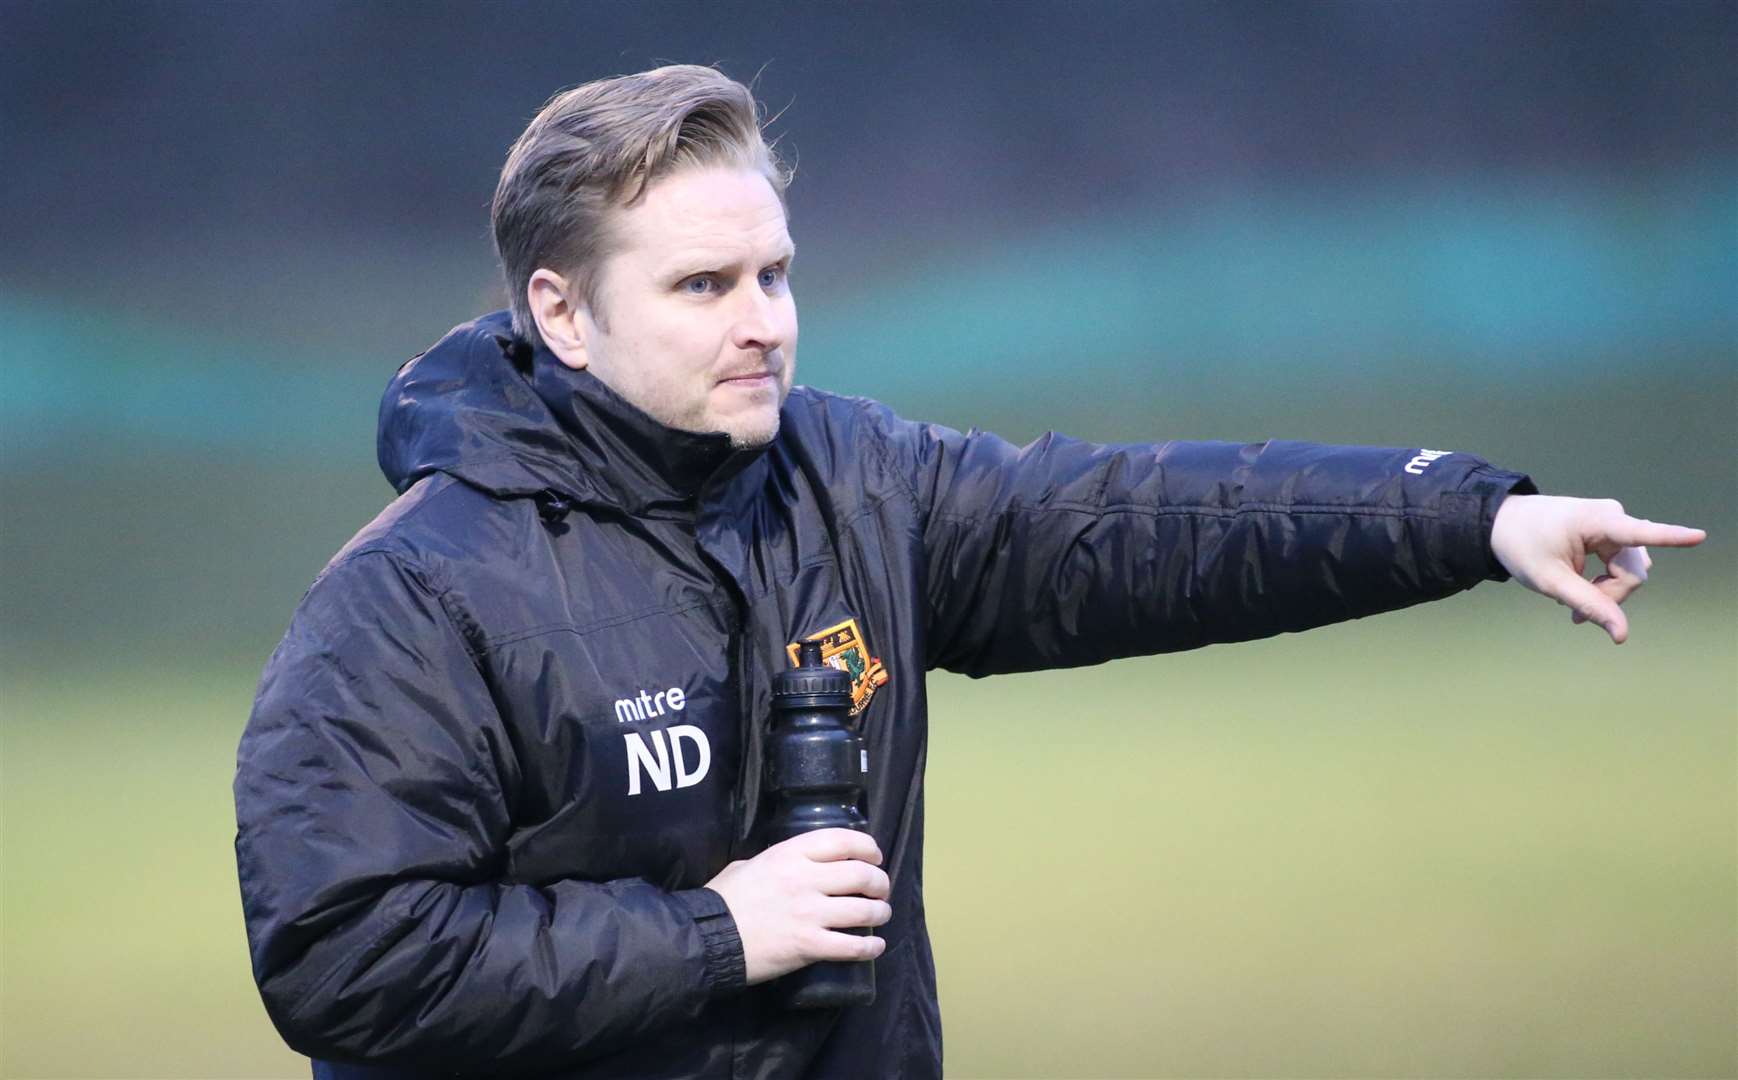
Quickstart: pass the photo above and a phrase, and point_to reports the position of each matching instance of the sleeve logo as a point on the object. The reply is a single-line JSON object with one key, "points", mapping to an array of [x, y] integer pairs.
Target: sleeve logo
{"points": [[1418, 464]]}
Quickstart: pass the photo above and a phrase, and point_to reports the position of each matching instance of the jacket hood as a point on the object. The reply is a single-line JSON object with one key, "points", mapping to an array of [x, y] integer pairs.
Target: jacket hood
{"points": [[488, 408]]}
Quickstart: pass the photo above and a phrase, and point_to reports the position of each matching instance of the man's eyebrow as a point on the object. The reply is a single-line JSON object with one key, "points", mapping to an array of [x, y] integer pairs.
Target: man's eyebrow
{"points": [[700, 261]]}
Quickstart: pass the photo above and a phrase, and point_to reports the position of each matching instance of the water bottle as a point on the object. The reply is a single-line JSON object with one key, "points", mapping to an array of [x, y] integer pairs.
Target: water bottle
{"points": [[816, 769]]}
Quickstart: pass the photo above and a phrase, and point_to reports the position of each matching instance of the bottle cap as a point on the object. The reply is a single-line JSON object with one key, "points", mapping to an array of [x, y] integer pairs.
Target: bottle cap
{"points": [[811, 678]]}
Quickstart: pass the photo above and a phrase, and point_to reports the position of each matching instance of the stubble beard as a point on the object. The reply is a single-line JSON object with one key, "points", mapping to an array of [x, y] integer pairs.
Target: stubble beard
{"points": [[756, 438], [745, 432], [756, 429]]}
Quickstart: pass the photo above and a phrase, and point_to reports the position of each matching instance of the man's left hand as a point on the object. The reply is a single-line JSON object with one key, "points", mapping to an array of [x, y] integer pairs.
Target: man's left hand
{"points": [[1544, 541]]}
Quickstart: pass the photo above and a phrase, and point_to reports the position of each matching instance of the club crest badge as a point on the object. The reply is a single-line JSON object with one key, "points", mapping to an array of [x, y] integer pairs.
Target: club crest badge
{"points": [[842, 647]]}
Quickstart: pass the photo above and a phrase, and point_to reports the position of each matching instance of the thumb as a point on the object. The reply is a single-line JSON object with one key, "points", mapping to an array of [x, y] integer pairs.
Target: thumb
{"points": [[1587, 602]]}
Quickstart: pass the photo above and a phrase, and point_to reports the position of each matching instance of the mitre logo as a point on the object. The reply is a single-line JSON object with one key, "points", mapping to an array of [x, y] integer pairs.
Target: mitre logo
{"points": [[681, 761], [842, 646], [1418, 464]]}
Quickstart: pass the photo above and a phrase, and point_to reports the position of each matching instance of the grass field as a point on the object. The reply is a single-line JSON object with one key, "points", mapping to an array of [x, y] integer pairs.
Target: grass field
{"points": [[1463, 840]]}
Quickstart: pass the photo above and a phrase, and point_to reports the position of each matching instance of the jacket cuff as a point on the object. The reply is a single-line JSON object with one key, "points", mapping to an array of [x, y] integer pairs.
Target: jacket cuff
{"points": [[1491, 486], [726, 969]]}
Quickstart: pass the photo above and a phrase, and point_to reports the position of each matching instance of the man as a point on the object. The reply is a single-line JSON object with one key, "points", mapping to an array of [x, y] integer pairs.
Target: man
{"points": [[500, 798]]}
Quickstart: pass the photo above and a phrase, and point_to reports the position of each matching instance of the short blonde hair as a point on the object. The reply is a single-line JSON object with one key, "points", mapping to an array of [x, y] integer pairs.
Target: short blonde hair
{"points": [[601, 145]]}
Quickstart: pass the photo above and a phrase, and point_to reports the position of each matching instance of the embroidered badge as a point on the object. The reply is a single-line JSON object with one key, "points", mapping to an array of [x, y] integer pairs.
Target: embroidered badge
{"points": [[842, 647]]}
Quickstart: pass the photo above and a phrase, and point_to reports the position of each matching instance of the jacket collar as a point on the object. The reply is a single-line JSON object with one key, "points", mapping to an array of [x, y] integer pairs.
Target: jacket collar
{"points": [[489, 409], [639, 463]]}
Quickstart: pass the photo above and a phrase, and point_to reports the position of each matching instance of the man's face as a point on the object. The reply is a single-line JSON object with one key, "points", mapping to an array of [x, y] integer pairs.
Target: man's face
{"points": [[695, 323]]}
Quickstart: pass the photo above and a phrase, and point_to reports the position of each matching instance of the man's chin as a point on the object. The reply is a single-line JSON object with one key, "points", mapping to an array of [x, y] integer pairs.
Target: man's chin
{"points": [[749, 428], [753, 438]]}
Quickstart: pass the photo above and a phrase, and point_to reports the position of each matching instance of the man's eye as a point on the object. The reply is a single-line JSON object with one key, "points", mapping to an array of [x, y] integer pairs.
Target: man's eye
{"points": [[699, 285], [771, 276]]}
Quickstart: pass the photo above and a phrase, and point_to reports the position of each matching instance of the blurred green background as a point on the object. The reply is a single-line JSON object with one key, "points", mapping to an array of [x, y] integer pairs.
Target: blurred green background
{"points": [[1462, 840]]}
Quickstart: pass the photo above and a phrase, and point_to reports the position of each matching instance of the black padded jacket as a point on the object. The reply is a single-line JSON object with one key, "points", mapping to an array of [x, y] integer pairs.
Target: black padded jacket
{"points": [[517, 722]]}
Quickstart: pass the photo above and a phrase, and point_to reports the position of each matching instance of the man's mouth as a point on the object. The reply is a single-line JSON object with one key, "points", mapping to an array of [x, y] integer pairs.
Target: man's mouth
{"points": [[759, 377]]}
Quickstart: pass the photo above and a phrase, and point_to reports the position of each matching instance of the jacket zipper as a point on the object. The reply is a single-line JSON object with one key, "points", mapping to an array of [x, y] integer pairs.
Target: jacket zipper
{"points": [[747, 722], [741, 670]]}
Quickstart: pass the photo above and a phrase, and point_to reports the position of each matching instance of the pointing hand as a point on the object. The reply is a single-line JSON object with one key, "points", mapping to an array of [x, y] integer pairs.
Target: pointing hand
{"points": [[1544, 541]]}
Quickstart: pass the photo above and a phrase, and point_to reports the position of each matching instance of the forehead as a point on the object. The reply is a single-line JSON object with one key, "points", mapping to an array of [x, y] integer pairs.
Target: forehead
{"points": [[711, 215]]}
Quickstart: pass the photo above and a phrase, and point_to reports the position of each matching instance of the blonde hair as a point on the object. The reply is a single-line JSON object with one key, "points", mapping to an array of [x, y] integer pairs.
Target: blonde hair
{"points": [[601, 145]]}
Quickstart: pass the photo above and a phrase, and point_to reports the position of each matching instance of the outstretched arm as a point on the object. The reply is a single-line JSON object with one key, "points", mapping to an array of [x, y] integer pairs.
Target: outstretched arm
{"points": [[1064, 552], [1543, 542]]}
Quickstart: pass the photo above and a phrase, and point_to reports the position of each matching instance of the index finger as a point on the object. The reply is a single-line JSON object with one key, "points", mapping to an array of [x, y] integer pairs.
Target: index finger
{"points": [[1638, 532], [831, 845]]}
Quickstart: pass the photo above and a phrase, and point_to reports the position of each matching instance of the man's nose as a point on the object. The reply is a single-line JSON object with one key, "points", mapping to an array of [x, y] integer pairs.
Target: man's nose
{"points": [[756, 328]]}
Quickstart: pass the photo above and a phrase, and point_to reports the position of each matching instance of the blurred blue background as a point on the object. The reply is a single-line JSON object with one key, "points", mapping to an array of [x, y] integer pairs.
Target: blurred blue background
{"points": [[1466, 839]]}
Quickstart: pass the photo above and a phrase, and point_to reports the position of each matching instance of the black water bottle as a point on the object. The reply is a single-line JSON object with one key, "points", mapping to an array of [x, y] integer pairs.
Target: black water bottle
{"points": [[816, 768]]}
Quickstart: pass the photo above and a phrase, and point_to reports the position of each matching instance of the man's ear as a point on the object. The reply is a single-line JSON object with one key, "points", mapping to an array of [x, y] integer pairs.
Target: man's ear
{"points": [[557, 315]]}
